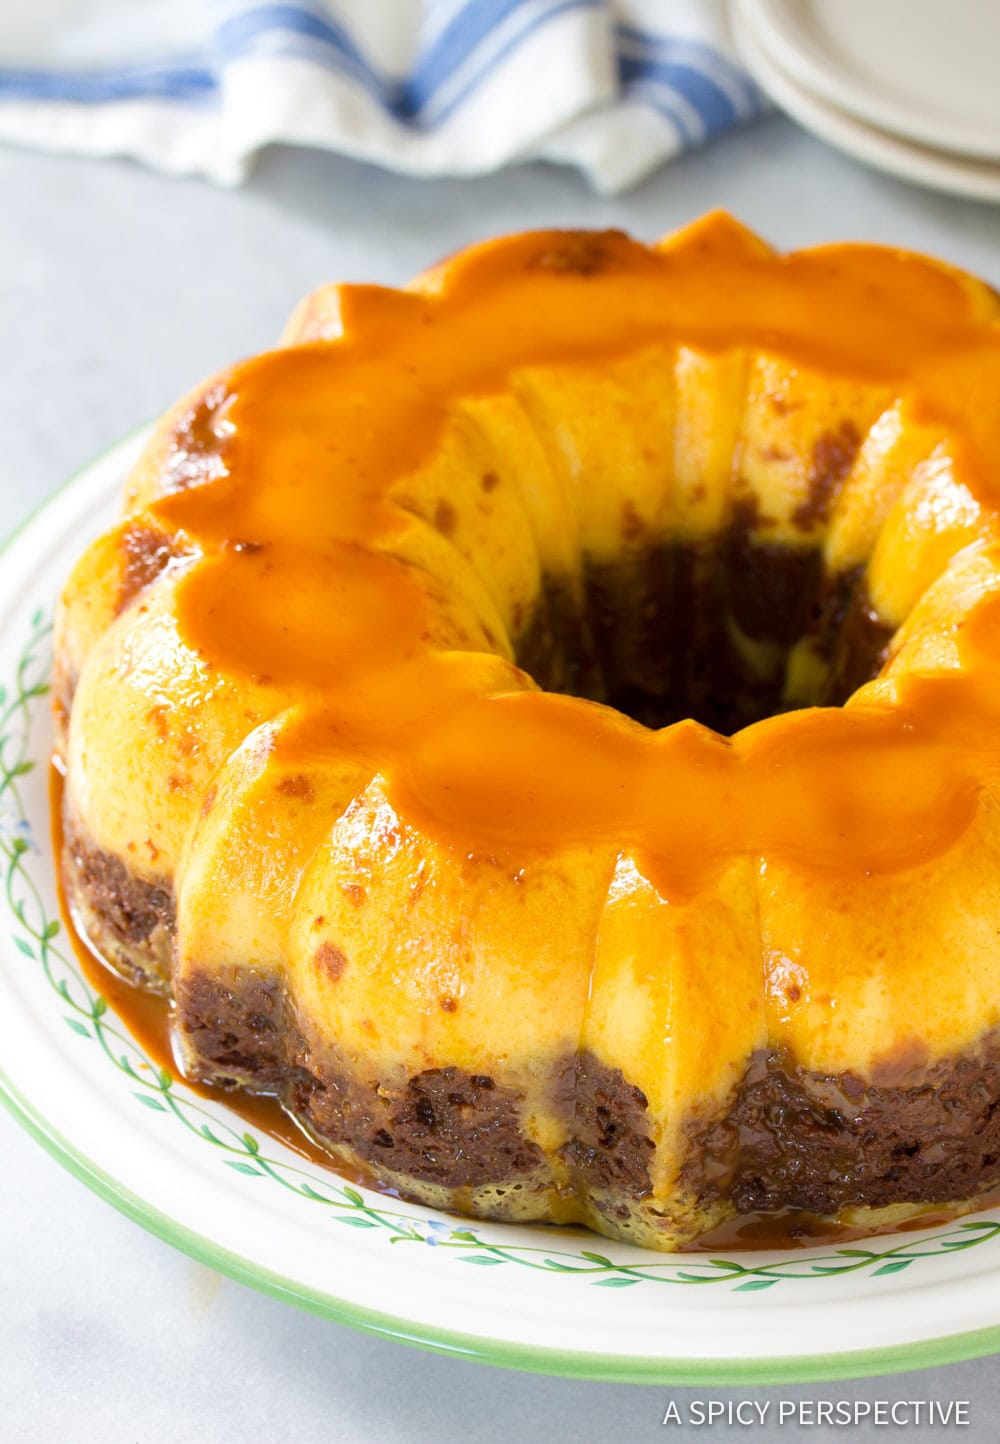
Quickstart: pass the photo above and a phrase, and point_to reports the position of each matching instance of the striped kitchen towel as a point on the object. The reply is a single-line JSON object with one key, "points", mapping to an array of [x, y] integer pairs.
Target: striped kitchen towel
{"points": [[429, 87]]}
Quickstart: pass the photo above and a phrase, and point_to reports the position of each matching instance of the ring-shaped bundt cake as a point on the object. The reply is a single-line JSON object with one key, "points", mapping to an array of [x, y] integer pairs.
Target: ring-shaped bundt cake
{"points": [[543, 724]]}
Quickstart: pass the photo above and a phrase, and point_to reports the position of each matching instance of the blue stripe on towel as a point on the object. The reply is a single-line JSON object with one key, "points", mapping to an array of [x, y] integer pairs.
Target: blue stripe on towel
{"points": [[694, 86], [715, 110], [706, 58], [282, 29], [491, 62], [178, 79]]}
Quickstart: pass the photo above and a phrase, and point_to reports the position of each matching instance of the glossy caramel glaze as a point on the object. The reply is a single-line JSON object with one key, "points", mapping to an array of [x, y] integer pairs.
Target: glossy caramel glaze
{"points": [[288, 499], [345, 778]]}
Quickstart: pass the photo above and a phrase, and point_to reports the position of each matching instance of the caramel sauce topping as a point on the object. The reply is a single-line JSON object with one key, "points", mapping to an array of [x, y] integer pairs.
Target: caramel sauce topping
{"points": [[291, 507]]}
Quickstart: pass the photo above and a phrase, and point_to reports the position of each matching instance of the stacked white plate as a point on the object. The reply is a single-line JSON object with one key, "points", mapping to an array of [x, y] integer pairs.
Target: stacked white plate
{"points": [[908, 86]]}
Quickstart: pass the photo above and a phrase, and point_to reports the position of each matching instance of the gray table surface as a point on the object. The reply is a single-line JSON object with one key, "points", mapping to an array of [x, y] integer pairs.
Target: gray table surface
{"points": [[118, 289]]}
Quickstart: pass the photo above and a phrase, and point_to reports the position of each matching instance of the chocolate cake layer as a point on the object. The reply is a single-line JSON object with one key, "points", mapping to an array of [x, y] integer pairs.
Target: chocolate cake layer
{"points": [[441, 1126], [130, 919], [787, 1138], [240, 1034], [860, 647], [705, 631], [772, 588], [610, 1146], [794, 1139]]}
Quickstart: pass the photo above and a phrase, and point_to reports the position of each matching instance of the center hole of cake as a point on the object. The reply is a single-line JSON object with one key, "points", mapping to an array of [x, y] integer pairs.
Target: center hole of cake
{"points": [[726, 633]]}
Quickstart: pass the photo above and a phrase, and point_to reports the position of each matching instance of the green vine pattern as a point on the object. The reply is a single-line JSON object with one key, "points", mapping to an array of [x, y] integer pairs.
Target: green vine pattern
{"points": [[36, 937]]}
